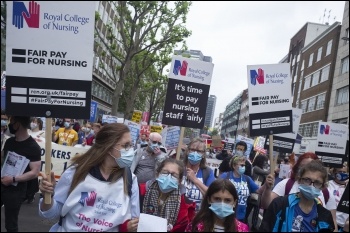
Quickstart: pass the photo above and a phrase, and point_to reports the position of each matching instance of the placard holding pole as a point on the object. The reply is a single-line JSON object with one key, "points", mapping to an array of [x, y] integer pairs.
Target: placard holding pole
{"points": [[182, 131], [272, 161], [48, 149]]}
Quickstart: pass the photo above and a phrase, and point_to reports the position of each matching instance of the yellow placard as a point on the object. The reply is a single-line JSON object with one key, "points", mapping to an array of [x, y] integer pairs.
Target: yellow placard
{"points": [[136, 116], [156, 128]]}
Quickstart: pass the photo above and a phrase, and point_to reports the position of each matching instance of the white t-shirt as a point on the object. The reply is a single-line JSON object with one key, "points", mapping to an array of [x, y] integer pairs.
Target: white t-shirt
{"points": [[37, 136], [281, 187], [336, 191]]}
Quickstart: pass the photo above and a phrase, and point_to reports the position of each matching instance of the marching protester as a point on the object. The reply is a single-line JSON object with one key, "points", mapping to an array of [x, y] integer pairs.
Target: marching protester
{"points": [[198, 176], [218, 210], [88, 134], [98, 187], [164, 197], [301, 211], [244, 185], [23, 144], [66, 136], [291, 185], [143, 140], [336, 188], [36, 129]]}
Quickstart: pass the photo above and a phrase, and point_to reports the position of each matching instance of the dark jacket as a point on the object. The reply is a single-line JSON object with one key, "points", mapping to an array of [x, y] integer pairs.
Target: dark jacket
{"points": [[273, 215]]}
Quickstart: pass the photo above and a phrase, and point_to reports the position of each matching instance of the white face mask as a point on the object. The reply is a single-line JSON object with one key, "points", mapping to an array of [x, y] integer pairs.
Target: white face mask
{"points": [[33, 125], [207, 153]]}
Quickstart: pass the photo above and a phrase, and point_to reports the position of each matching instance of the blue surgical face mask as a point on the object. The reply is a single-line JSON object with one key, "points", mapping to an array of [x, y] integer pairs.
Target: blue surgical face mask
{"points": [[342, 176], [221, 209], [4, 123], [194, 158], [125, 159], [309, 191], [167, 183], [241, 170], [153, 146], [239, 153], [66, 124]]}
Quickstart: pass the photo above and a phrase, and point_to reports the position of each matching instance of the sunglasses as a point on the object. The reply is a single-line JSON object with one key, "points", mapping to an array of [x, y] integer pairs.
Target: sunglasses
{"points": [[155, 142]]}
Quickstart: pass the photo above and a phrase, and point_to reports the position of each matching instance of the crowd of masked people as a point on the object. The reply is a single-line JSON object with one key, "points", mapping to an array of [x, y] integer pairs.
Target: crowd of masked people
{"points": [[106, 188]]}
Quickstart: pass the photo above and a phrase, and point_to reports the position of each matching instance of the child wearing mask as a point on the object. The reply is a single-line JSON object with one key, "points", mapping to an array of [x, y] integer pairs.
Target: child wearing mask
{"points": [[218, 210]]}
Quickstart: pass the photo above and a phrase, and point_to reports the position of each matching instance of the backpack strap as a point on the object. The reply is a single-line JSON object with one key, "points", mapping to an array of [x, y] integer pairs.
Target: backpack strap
{"points": [[288, 187], [205, 173], [325, 195], [285, 204]]}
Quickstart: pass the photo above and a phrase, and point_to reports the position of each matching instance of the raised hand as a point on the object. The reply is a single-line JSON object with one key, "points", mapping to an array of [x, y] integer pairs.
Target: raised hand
{"points": [[32, 18], [17, 18]]}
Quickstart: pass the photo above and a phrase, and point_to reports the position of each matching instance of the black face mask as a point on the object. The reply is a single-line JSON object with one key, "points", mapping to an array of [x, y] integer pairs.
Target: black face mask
{"points": [[11, 129]]}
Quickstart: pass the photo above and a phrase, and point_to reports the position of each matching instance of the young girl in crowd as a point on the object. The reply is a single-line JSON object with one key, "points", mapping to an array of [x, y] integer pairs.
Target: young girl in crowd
{"points": [[291, 185], [164, 197], [98, 187], [302, 211], [217, 212]]}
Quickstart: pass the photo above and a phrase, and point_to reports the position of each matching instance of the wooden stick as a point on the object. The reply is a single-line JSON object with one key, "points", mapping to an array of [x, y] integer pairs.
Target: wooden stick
{"points": [[272, 161], [48, 149], [182, 131]]}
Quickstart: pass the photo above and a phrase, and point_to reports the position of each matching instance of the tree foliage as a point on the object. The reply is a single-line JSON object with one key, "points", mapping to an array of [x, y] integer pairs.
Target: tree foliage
{"points": [[145, 28]]}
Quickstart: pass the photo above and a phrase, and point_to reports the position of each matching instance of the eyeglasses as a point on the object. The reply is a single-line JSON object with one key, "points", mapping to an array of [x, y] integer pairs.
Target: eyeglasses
{"points": [[242, 165], [198, 151], [126, 146], [317, 184], [173, 174], [156, 142]]}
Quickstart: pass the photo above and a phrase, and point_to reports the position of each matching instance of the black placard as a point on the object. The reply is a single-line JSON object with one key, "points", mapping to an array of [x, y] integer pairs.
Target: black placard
{"points": [[264, 123], [185, 104], [37, 104], [280, 144], [343, 205]]}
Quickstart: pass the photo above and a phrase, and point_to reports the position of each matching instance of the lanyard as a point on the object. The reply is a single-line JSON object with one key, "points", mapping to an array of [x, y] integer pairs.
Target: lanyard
{"points": [[65, 138]]}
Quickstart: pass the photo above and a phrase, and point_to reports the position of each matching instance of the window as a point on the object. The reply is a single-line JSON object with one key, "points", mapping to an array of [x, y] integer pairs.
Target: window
{"points": [[307, 82], [319, 53], [302, 65], [311, 58], [301, 129], [303, 105], [329, 47], [344, 65], [343, 95], [320, 101], [324, 74], [314, 129], [307, 130], [315, 77], [311, 104], [341, 121], [346, 41]]}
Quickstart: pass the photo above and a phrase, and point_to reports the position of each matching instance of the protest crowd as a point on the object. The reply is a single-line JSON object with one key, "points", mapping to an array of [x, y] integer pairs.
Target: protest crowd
{"points": [[129, 178]]}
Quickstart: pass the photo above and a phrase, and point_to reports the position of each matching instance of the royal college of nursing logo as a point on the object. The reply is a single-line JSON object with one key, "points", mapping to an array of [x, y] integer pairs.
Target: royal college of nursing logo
{"points": [[178, 67], [30, 16], [324, 129], [87, 198], [257, 76]]}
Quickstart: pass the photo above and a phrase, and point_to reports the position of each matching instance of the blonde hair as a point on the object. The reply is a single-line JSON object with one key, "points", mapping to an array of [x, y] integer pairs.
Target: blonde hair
{"points": [[236, 159]]}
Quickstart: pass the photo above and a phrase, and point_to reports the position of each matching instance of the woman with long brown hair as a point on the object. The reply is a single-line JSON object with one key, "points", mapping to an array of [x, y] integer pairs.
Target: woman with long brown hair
{"points": [[217, 212], [98, 192]]}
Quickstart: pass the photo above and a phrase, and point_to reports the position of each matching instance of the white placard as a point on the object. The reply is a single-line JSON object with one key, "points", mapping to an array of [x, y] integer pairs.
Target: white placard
{"points": [[109, 119], [191, 70], [134, 130], [151, 223], [332, 138], [56, 40], [269, 88], [172, 137], [284, 171], [248, 141]]}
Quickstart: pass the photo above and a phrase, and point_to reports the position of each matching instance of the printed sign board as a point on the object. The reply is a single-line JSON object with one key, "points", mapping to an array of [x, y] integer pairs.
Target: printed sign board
{"points": [[270, 105], [248, 141], [109, 119], [134, 130], [93, 111], [172, 137], [156, 128], [331, 143], [49, 58], [136, 116], [229, 144], [187, 93], [284, 142]]}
